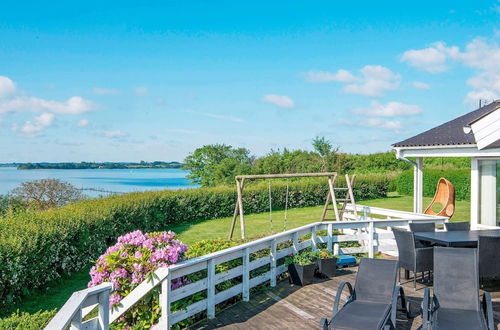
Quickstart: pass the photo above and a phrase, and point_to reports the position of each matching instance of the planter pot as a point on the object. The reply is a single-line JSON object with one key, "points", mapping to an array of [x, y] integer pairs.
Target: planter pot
{"points": [[327, 267], [301, 275]]}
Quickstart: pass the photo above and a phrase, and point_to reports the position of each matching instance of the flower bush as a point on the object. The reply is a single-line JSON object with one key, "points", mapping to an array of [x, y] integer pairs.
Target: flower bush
{"points": [[130, 261]]}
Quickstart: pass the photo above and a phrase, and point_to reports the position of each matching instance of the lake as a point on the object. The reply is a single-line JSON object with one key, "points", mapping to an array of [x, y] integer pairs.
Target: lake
{"points": [[115, 180]]}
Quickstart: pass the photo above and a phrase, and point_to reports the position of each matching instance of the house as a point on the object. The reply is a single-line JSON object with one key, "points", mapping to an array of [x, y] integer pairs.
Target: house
{"points": [[475, 135]]}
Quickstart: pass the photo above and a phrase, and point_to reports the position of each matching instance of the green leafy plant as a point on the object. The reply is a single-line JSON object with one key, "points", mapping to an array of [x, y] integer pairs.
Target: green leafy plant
{"points": [[302, 259], [26, 321]]}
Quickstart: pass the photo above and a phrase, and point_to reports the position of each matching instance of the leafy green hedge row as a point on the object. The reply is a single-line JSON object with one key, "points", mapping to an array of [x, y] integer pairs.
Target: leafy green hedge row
{"points": [[36, 248], [27, 321], [459, 177]]}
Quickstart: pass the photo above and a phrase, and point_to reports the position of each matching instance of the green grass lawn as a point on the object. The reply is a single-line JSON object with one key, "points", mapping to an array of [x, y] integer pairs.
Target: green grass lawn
{"points": [[257, 225]]}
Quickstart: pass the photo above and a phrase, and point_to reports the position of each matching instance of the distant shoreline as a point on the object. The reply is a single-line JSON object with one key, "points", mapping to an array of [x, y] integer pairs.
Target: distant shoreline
{"points": [[95, 166]]}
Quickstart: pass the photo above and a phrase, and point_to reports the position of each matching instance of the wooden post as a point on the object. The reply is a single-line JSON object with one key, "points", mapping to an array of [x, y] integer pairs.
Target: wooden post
{"points": [[273, 263], [103, 316], [329, 244], [236, 207], [314, 246], [165, 302], [210, 288], [331, 185], [240, 207], [370, 239], [350, 193], [76, 322], [295, 240], [246, 275]]}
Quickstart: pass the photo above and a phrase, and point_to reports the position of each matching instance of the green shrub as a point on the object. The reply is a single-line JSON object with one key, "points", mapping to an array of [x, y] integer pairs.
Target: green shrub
{"points": [[38, 247], [27, 321], [459, 177]]}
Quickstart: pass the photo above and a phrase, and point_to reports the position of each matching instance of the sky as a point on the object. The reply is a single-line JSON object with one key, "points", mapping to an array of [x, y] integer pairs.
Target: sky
{"points": [[131, 81]]}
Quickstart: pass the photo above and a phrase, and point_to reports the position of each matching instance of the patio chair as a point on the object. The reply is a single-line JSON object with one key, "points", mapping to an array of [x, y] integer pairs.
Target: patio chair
{"points": [[410, 257], [445, 196], [455, 303], [372, 304], [489, 258], [423, 227], [457, 226]]}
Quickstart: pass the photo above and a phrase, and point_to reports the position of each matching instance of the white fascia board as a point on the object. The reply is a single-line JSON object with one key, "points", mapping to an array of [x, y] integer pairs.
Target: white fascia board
{"points": [[487, 130], [447, 151]]}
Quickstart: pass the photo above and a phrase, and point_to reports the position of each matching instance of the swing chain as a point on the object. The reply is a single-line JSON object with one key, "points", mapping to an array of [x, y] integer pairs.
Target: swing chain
{"points": [[270, 207]]}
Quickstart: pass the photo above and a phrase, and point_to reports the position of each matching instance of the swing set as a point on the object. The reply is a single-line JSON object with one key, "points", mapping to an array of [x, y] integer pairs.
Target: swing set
{"points": [[330, 198]]}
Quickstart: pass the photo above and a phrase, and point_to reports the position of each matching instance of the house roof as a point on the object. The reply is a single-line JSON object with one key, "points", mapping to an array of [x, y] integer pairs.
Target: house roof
{"points": [[451, 132]]}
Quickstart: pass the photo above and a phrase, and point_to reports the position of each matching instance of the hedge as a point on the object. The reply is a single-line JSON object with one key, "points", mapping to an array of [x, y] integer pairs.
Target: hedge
{"points": [[27, 321], [459, 177], [39, 247]]}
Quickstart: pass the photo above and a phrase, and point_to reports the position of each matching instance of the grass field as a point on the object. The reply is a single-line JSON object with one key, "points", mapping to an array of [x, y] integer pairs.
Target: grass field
{"points": [[257, 225]]}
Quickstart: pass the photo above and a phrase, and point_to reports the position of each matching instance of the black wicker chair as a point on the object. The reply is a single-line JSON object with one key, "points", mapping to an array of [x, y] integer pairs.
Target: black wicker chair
{"points": [[455, 303], [423, 227], [457, 226], [372, 303], [489, 258], [412, 258]]}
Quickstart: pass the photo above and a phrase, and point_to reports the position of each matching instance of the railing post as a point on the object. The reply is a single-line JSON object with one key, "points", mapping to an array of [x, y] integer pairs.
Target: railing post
{"points": [[370, 239], [210, 288], [295, 240], [76, 322], [165, 302], [336, 249], [103, 316], [329, 244], [246, 275], [313, 239], [273, 263]]}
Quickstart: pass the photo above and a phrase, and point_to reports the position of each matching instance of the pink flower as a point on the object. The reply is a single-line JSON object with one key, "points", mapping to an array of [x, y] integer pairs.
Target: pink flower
{"points": [[114, 298]]}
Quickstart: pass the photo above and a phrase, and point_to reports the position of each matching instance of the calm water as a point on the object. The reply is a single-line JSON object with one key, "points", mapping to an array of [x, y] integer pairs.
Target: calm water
{"points": [[117, 180]]}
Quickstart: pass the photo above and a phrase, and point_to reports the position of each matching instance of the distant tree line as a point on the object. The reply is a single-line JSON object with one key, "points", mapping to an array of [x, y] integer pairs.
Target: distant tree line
{"points": [[218, 164], [104, 165]]}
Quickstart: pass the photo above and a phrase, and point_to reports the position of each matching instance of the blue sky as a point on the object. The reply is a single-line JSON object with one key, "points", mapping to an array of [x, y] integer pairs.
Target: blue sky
{"points": [[118, 81]]}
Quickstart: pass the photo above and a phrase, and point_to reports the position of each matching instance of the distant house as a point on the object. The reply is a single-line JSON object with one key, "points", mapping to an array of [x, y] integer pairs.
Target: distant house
{"points": [[475, 135]]}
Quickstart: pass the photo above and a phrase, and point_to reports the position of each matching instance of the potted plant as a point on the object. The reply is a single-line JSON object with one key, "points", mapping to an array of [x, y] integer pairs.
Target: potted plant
{"points": [[327, 263], [301, 268]]}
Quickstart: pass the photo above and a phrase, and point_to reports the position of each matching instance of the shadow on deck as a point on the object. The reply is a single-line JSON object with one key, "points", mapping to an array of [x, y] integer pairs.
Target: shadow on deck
{"points": [[295, 307]]}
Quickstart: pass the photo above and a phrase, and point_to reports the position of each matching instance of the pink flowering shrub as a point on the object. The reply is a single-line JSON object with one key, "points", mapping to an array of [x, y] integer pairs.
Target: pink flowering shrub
{"points": [[130, 261]]}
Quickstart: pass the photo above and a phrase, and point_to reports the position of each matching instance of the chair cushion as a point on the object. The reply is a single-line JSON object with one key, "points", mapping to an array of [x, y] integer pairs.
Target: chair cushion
{"points": [[361, 315], [445, 318]]}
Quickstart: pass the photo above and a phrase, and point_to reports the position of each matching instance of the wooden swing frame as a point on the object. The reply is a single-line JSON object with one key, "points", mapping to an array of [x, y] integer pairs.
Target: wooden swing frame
{"points": [[331, 178]]}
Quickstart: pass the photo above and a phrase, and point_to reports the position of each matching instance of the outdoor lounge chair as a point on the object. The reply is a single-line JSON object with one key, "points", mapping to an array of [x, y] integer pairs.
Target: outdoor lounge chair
{"points": [[373, 302], [457, 226], [444, 196], [455, 303], [489, 258], [411, 257]]}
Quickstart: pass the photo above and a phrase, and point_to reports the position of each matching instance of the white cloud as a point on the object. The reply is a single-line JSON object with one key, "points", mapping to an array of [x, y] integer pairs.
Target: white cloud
{"points": [[83, 123], [114, 134], [217, 116], [105, 91], [7, 87], [481, 55], [325, 76], [390, 109], [39, 123], [421, 85], [141, 91], [74, 105], [392, 125], [375, 80], [281, 101]]}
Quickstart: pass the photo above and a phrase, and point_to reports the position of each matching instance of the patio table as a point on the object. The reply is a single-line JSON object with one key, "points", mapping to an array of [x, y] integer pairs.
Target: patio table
{"points": [[456, 238]]}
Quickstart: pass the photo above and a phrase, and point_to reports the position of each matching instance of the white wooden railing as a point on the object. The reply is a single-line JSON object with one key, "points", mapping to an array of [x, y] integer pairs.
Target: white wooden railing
{"points": [[370, 230]]}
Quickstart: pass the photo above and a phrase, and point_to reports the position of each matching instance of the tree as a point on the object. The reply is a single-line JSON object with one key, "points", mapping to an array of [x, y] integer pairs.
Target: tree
{"points": [[209, 165], [47, 193]]}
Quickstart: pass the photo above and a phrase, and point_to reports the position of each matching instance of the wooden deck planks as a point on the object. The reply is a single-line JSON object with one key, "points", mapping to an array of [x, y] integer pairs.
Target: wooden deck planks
{"points": [[291, 307]]}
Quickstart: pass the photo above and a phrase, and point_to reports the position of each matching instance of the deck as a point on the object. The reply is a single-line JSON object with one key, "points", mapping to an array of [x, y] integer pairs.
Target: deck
{"points": [[295, 307]]}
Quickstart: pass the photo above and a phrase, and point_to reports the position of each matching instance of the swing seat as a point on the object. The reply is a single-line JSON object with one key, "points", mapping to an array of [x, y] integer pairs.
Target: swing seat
{"points": [[445, 195]]}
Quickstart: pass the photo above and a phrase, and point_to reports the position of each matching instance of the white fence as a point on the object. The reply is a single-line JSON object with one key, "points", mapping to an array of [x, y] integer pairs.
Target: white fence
{"points": [[371, 232]]}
